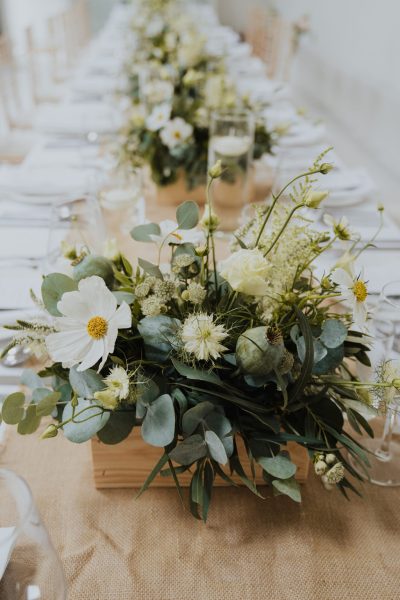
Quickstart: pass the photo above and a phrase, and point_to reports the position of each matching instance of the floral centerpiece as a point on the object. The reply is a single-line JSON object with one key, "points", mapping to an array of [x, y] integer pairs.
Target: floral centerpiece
{"points": [[202, 355], [168, 127]]}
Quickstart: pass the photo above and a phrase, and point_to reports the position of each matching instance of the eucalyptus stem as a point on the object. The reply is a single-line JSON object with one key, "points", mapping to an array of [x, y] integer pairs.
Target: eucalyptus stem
{"points": [[276, 198]]}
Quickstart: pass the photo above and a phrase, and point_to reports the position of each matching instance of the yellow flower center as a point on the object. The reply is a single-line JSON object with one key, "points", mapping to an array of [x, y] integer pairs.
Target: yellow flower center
{"points": [[97, 327], [360, 291], [177, 135]]}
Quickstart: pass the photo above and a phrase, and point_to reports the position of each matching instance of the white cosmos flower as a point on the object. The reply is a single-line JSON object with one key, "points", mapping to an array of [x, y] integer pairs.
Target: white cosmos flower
{"points": [[354, 290], [340, 228], [176, 132], [171, 234], [202, 337], [88, 329], [158, 117]]}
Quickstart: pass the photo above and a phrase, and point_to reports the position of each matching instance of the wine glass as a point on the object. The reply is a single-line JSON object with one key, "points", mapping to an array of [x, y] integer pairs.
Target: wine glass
{"points": [[29, 566], [231, 142], [385, 450], [77, 224]]}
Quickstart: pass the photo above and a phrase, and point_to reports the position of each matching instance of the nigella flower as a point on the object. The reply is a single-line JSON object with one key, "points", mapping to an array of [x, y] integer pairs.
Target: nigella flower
{"points": [[117, 388], [202, 337], [88, 329], [355, 291]]}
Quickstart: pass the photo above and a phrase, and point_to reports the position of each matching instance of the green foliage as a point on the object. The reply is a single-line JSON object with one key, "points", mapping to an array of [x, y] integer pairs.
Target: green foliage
{"points": [[53, 288], [83, 421], [142, 233], [187, 215], [158, 427]]}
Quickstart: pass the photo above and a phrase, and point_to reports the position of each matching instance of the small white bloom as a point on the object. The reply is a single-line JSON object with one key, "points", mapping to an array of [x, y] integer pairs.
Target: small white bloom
{"points": [[196, 293], [246, 272], [158, 92], [340, 228], [88, 329], [355, 291], [152, 306], [111, 250], [335, 473], [159, 116], [171, 234], [176, 132], [202, 337], [320, 467], [117, 388]]}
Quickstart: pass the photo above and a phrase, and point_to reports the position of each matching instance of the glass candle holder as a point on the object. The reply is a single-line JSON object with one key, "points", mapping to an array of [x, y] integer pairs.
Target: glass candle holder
{"points": [[231, 142], [29, 566]]}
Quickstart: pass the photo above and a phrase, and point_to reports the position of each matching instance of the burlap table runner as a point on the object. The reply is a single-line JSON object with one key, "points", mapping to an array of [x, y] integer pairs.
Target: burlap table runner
{"points": [[114, 547]]}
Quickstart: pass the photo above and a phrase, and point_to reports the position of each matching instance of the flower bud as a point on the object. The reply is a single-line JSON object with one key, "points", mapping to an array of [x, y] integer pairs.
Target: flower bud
{"points": [[216, 170], [380, 207], [335, 473], [185, 295], [330, 459], [201, 250], [320, 467], [325, 168], [314, 199], [209, 221], [50, 432]]}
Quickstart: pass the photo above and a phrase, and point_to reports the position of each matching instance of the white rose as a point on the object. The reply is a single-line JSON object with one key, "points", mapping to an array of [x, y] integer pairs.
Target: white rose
{"points": [[246, 272]]}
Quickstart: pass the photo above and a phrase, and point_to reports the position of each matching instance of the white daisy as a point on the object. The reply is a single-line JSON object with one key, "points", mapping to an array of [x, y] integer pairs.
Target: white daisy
{"points": [[171, 234], [88, 329], [202, 337], [176, 132], [159, 117], [355, 291]]}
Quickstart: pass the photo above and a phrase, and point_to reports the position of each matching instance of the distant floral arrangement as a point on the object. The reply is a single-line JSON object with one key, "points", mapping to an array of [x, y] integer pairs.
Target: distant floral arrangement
{"points": [[203, 356], [168, 127]]}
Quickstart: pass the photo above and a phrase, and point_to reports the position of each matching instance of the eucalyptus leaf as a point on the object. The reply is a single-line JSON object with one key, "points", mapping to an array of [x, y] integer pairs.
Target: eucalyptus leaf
{"points": [[334, 333], [30, 422], [159, 334], [191, 449], [194, 416], [53, 288], [288, 487], [215, 447], [12, 410], [187, 215], [143, 233], [278, 466], [118, 427], [46, 403], [85, 425], [31, 379], [124, 297], [150, 269], [197, 374], [158, 427], [219, 423], [85, 383], [332, 360]]}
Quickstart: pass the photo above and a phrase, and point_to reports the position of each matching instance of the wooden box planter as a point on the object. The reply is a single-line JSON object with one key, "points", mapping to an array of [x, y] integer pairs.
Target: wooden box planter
{"points": [[127, 465]]}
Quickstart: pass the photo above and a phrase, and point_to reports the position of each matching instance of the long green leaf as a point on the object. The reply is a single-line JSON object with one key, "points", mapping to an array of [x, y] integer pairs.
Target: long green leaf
{"points": [[163, 460], [308, 362]]}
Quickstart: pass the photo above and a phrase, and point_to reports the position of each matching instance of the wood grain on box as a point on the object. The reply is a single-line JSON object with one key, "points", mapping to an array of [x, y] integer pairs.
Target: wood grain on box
{"points": [[126, 465]]}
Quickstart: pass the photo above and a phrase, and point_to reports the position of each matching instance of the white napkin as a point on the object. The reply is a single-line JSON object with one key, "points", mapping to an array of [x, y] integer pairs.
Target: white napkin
{"points": [[39, 183], [7, 543], [78, 118], [303, 133], [16, 283]]}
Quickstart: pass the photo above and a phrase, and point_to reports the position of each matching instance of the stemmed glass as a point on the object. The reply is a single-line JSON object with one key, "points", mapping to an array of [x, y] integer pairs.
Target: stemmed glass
{"points": [[385, 451], [78, 223], [29, 566], [231, 142]]}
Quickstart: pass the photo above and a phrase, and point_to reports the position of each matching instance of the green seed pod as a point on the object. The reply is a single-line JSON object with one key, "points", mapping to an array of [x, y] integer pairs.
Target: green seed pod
{"points": [[94, 265], [255, 355]]}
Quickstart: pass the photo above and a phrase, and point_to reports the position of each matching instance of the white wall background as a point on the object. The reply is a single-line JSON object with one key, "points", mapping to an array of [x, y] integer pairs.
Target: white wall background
{"points": [[348, 70]]}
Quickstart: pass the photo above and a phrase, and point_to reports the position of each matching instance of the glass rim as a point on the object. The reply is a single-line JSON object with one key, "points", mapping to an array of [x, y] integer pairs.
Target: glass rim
{"points": [[228, 114], [7, 475], [386, 297]]}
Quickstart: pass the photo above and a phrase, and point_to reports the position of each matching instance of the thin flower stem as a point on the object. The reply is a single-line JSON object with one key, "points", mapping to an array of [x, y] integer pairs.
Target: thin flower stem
{"points": [[286, 223], [276, 198], [211, 237]]}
